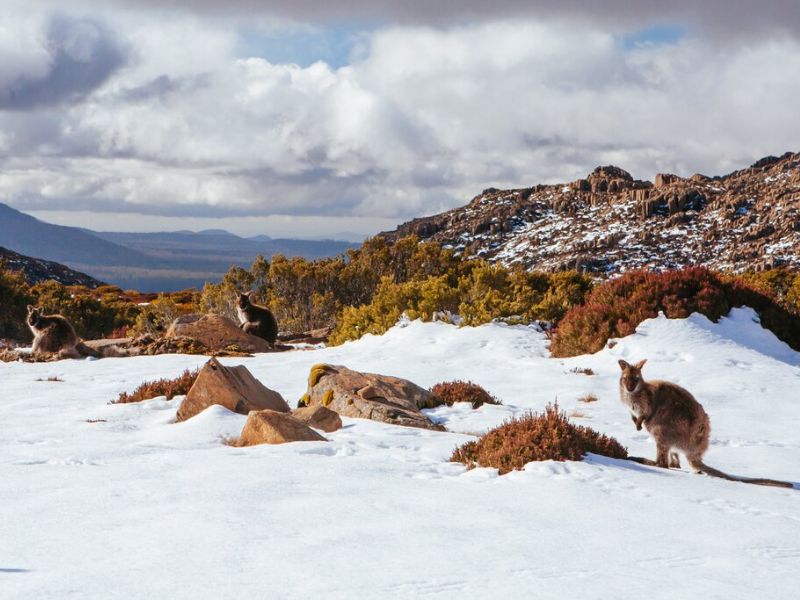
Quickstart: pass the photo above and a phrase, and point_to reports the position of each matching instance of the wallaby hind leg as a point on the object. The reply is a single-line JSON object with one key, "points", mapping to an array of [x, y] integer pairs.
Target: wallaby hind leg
{"points": [[674, 460], [662, 455]]}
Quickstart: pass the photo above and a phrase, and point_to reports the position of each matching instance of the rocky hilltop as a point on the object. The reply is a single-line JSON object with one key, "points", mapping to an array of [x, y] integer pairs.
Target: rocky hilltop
{"points": [[35, 270], [610, 222]]}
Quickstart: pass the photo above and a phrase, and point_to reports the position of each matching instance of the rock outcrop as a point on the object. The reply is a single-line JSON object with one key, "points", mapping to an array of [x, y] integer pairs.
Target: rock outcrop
{"points": [[235, 388], [215, 333], [272, 427], [369, 396], [318, 417], [608, 223]]}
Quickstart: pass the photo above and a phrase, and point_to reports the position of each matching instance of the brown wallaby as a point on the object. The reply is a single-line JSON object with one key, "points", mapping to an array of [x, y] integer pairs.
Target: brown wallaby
{"points": [[55, 334], [675, 420], [256, 320]]}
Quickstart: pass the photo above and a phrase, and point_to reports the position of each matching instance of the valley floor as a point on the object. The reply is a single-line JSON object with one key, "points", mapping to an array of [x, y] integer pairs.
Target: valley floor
{"points": [[115, 501]]}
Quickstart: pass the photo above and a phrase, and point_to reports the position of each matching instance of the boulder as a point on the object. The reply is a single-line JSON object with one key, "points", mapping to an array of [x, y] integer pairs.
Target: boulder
{"points": [[273, 427], [235, 388], [215, 333], [369, 396], [318, 417]]}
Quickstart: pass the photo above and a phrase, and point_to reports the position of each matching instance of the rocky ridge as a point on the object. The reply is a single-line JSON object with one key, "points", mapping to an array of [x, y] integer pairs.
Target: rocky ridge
{"points": [[609, 222], [36, 270]]}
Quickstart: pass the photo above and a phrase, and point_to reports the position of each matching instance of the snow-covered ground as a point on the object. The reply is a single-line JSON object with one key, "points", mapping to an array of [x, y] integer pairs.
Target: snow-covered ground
{"points": [[134, 506]]}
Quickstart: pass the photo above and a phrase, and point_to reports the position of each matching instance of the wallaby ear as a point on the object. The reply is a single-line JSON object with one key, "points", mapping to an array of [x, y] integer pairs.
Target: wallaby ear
{"points": [[31, 308], [640, 364], [250, 293], [623, 365]]}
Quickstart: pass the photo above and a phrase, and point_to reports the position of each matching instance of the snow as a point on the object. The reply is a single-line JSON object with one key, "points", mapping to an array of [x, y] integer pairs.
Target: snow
{"points": [[136, 506]]}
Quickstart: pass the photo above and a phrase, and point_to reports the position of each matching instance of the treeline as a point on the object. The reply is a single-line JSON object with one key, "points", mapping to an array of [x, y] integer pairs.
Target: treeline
{"points": [[367, 290]]}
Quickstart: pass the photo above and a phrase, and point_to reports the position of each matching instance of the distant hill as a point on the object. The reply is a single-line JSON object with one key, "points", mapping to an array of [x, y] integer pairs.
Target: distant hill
{"points": [[609, 223], [36, 270], [149, 262], [69, 245]]}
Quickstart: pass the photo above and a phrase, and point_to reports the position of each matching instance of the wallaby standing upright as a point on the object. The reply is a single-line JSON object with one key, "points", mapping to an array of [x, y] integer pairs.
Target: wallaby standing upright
{"points": [[675, 420], [54, 333], [256, 320]]}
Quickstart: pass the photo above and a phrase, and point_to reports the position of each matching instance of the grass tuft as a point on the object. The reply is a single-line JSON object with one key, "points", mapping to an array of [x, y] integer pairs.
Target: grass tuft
{"points": [[170, 388]]}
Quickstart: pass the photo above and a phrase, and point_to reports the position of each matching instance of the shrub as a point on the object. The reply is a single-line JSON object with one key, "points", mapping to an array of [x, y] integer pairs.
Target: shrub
{"points": [[535, 437], [463, 391], [480, 294], [14, 297], [157, 316], [91, 318], [170, 388], [617, 307]]}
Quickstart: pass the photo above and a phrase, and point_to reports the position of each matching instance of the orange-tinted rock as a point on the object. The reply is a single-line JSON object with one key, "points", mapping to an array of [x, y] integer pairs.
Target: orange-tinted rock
{"points": [[318, 417], [215, 333], [235, 388], [272, 427]]}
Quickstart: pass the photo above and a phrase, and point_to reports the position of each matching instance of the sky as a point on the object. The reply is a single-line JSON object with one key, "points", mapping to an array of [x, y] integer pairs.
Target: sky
{"points": [[309, 118]]}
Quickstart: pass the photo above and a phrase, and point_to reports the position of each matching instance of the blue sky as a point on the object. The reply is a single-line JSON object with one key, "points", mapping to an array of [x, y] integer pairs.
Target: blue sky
{"points": [[332, 43], [668, 33]]}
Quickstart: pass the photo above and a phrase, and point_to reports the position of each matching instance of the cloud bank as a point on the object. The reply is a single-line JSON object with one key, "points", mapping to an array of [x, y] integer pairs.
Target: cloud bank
{"points": [[127, 111]]}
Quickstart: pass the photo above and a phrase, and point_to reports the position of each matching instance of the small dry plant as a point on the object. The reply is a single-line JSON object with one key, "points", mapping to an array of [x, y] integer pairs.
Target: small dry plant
{"points": [[462, 391], [170, 388], [535, 437]]}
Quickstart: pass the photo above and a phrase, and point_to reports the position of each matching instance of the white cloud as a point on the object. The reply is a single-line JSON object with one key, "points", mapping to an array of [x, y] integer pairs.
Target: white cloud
{"points": [[423, 120]]}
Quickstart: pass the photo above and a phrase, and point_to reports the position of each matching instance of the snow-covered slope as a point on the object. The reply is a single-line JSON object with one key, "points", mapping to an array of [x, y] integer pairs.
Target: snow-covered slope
{"points": [[135, 507]]}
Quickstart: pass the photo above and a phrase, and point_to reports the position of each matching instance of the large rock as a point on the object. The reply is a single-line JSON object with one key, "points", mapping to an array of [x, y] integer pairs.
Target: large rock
{"points": [[235, 388], [272, 427], [215, 333], [318, 417], [369, 396]]}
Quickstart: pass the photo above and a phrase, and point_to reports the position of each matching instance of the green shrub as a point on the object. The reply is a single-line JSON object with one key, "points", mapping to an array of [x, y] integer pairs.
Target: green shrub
{"points": [[481, 294], [91, 318], [157, 316], [14, 297], [535, 437]]}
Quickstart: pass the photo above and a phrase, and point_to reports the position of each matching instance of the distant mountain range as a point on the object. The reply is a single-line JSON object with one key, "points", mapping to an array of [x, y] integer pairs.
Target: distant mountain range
{"points": [[149, 262], [609, 222], [36, 270]]}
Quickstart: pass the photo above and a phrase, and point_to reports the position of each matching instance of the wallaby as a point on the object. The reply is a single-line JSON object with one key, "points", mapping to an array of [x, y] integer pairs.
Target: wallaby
{"points": [[55, 334], [256, 320], [675, 420]]}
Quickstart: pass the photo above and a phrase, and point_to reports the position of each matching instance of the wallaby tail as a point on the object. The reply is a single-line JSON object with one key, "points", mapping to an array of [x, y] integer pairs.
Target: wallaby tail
{"points": [[85, 350], [711, 471], [103, 352]]}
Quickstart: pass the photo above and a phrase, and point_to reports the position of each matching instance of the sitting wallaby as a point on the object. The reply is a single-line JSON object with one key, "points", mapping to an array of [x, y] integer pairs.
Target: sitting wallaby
{"points": [[256, 320], [675, 420], [55, 334]]}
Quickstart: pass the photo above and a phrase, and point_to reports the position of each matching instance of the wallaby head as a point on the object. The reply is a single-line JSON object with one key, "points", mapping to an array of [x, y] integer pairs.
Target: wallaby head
{"points": [[244, 299], [34, 315], [631, 377]]}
